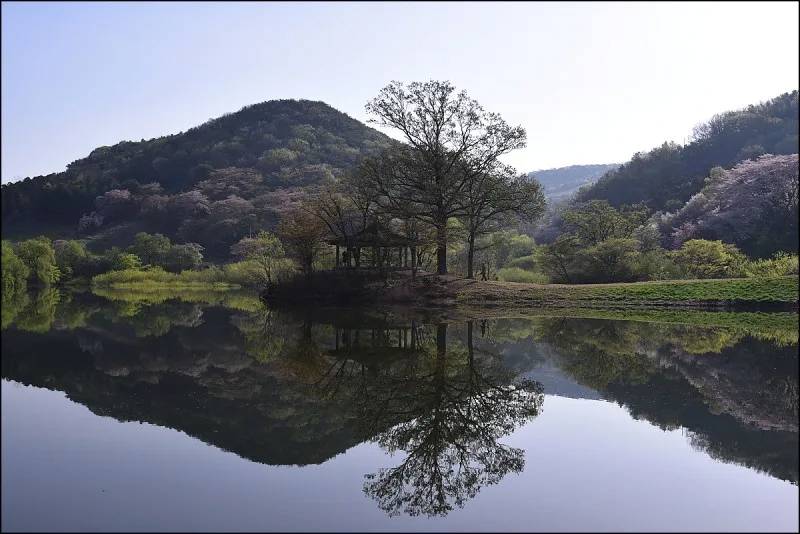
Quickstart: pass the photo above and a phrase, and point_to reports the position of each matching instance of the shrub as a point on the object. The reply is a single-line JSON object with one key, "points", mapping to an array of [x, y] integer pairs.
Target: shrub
{"points": [[15, 272], [656, 264], [182, 257], [612, 260], [155, 276], [264, 251], [126, 261], [251, 273], [781, 264], [700, 258], [72, 258], [152, 249], [40, 258], [245, 273], [525, 262]]}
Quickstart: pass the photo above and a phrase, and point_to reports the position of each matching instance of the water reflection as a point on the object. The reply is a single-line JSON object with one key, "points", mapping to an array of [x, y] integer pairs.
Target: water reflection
{"points": [[297, 388], [444, 406]]}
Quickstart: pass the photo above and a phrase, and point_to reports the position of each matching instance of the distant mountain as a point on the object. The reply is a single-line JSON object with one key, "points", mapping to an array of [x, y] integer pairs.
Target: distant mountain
{"points": [[563, 181], [259, 149]]}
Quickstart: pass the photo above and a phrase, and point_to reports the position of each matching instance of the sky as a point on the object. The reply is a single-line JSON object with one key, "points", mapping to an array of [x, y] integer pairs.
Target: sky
{"points": [[590, 82]]}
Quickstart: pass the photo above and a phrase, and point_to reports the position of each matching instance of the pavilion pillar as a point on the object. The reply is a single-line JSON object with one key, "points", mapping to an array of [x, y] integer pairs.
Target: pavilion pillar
{"points": [[337, 258]]}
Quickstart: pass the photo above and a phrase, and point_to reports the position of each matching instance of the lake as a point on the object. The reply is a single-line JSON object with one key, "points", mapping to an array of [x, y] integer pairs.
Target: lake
{"points": [[123, 411]]}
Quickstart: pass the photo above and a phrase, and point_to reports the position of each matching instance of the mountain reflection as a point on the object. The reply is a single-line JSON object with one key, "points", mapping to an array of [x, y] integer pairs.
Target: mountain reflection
{"points": [[297, 388]]}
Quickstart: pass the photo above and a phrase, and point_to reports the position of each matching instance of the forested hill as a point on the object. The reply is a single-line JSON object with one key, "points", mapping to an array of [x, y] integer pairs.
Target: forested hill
{"points": [[563, 181], [667, 176], [275, 144]]}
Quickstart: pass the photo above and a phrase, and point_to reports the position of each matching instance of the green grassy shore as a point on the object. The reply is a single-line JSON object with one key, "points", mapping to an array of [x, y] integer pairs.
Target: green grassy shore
{"points": [[337, 287], [723, 292]]}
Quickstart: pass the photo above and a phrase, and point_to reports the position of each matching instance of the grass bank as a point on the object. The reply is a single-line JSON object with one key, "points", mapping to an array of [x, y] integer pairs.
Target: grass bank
{"points": [[341, 288], [155, 280], [242, 300], [723, 292]]}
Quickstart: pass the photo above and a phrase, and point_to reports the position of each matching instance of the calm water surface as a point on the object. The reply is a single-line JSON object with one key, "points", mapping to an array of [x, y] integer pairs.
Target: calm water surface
{"points": [[131, 412]]}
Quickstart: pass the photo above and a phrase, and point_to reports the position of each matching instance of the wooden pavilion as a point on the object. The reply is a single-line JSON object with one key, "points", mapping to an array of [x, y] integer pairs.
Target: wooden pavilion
{"points": [[388, 249]]}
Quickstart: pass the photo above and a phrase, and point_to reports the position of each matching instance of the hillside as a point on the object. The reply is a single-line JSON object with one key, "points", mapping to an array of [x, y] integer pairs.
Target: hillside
{"points": [[562, 182], [753, 206], [666, 177], [240, 157]]}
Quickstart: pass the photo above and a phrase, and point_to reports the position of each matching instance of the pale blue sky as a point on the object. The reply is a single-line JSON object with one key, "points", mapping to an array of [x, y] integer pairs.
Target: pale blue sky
{"points": [[591, 83]]}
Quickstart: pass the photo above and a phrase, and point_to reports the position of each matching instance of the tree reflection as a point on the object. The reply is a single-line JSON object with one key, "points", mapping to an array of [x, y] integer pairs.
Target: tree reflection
{"points": [[36, 313], [444, 407], [263, 332]]}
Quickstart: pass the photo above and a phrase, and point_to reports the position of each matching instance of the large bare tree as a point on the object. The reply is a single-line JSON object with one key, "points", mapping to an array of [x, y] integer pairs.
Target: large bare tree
{"points": [[491, 201], [445, 132]]}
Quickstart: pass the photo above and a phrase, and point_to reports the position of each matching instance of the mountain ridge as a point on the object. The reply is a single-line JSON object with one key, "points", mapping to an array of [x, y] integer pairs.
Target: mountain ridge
{"points": [[561, 182], [281, 139]]}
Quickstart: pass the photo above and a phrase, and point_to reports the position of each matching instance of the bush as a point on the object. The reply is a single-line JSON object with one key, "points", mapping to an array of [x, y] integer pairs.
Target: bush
{"points": [[656, 264], [245, 273], [700, 258], [126, 261], [251, 273], [612, 260], [156, 276], [152, 249], [781, 264], [525, 262], [183, 257], [15, 272], [72, 258], [40, 258]]}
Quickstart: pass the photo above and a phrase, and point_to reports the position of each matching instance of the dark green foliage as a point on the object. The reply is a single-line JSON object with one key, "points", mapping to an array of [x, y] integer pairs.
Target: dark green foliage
{"points": [[183, 257], [599, 245], [14, 270], [667, 176], [124, 261], [612, 260], [73, 259], [597, 221], [158, 250], [152, 249], [709, 259], [39, 257]]}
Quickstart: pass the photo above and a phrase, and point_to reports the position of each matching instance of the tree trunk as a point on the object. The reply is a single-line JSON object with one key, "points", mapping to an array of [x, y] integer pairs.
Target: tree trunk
{"points": [[441, 247], [441, 341], [470, 255], [470, 349], [413, 263]]}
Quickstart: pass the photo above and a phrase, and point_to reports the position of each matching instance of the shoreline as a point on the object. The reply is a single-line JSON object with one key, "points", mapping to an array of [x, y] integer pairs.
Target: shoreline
{"points": [[445, 292]]}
